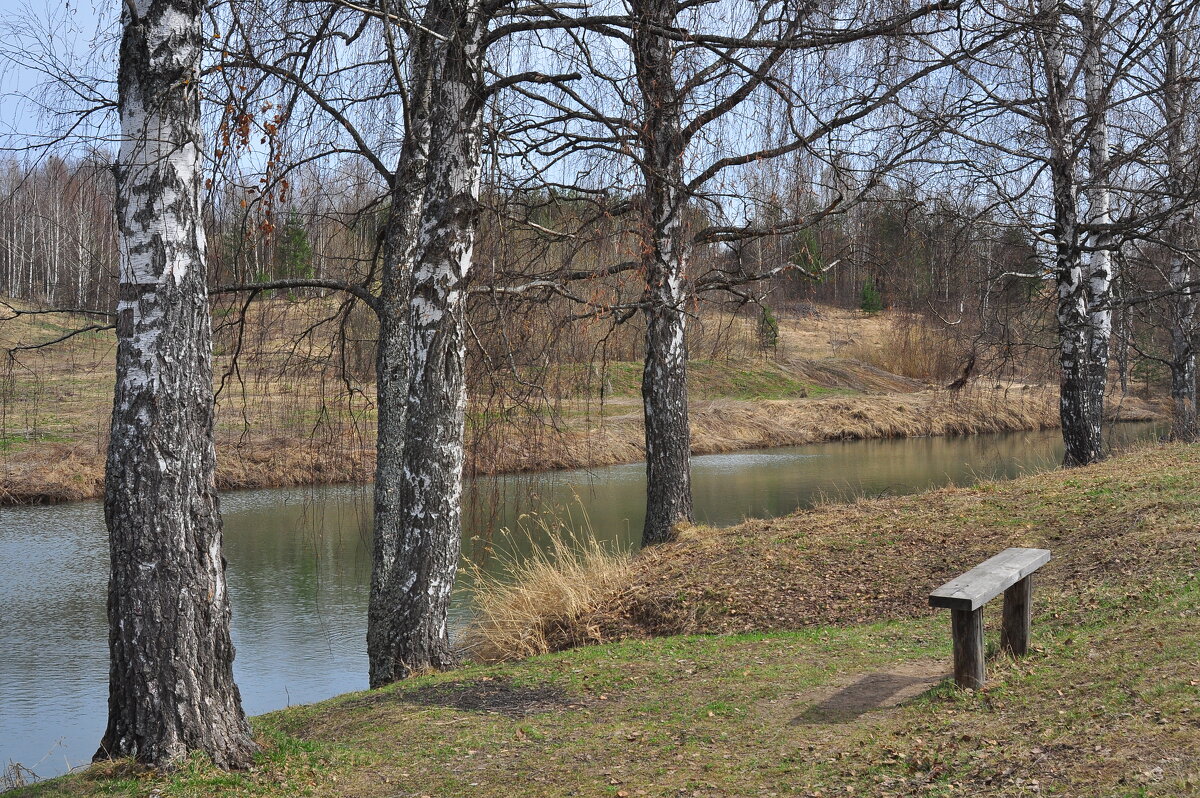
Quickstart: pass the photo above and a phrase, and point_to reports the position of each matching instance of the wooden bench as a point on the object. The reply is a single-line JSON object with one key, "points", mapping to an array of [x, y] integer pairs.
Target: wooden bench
{"points": [[1010, 572]]}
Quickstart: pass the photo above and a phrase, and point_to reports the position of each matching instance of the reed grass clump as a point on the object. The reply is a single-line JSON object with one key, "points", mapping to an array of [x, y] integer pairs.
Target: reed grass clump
{"points": [[535, 603]]}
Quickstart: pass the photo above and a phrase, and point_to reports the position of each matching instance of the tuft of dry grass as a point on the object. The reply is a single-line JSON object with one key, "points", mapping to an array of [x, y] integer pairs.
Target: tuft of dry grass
{"points": [[538, 597]]}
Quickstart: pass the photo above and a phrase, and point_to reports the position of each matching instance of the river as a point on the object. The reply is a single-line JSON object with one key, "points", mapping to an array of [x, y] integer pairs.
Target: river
{"points": [[299, 565]]}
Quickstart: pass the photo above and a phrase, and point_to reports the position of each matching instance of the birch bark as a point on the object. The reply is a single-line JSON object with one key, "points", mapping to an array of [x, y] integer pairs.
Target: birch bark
{"points": [[1100, 262], [1185, 425], [171, 688], [392, 368], [1080, 407], [421, 575], [664, 262]]}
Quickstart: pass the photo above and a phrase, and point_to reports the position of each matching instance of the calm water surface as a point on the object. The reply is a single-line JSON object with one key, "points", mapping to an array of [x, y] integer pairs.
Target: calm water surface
{"points": [[299, 565]]}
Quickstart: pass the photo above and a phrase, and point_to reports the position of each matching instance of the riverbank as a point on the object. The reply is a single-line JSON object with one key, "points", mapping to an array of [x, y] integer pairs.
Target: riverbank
{"points": [[877, 559], [280, 424], [50, 471], [827, 673]]}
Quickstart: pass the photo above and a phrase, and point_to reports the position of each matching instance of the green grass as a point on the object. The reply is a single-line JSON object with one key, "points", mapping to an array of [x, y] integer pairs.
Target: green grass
{"points": [[721, 379], [1106, 704], [10, 442], [741, 379]]}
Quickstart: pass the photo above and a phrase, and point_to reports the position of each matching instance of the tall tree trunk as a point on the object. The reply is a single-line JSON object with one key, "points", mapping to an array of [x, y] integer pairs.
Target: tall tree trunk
{"points": [[1185, 425], [421, 578], [1100, 262], [664, 262], [171, 688], [392, 370], [1080, 409]]}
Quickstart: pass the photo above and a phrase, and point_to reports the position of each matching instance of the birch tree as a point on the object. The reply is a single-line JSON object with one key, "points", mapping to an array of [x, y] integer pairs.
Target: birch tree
{"points": [[1082, 406], [413, 597], [171, 688], [714, 90], [1083, 337], [1179, 111], [430, 59], [1060, 125]]}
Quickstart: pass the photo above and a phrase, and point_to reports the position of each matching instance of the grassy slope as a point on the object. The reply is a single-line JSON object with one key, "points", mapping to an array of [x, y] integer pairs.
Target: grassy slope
{"points": [[1107, 704], [280, 424], [878, 558], [717, 379]]}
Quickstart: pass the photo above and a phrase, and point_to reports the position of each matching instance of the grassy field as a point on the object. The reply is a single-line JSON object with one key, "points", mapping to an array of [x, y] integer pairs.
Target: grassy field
{"points": [[286, 415], [827, 676]]}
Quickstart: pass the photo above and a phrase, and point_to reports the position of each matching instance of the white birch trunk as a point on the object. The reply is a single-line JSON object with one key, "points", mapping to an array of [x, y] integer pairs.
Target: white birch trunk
{"points": [[1080, 408], [664, 261], [1185, 425], [1100, 262], [171, 688], [419, 579], [392, 368]]}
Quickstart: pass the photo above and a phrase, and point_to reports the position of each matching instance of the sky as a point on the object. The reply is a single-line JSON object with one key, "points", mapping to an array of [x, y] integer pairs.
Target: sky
{"points": [[37, 36]]}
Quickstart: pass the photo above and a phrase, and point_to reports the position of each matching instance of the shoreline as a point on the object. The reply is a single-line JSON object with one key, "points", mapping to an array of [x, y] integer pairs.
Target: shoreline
{"points": [[870, 559], [56, 473]]}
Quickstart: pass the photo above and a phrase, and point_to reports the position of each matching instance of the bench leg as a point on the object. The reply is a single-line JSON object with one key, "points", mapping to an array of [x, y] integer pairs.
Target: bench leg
{"points": [[1018, 605], [967, 628]]}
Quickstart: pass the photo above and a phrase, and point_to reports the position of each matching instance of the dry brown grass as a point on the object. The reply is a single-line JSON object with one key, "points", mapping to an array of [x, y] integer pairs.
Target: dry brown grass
{"points": [[725, 425], [877, 559], [828, 331], [913, 348], [51, 473], [852, 375], [56, 472], [787, 423], [286, 418], [541, 595]]}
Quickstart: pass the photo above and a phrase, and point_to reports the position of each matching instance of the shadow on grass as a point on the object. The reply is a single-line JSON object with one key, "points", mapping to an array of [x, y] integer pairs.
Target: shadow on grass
{"points": [[870, 692]]}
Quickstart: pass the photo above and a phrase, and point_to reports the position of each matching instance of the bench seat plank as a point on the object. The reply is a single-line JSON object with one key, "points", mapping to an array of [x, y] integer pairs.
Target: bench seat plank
{"points": [[989, 579]]}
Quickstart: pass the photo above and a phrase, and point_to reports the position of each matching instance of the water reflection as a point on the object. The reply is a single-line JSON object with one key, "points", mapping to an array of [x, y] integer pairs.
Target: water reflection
{"points": [[300, 565]]}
